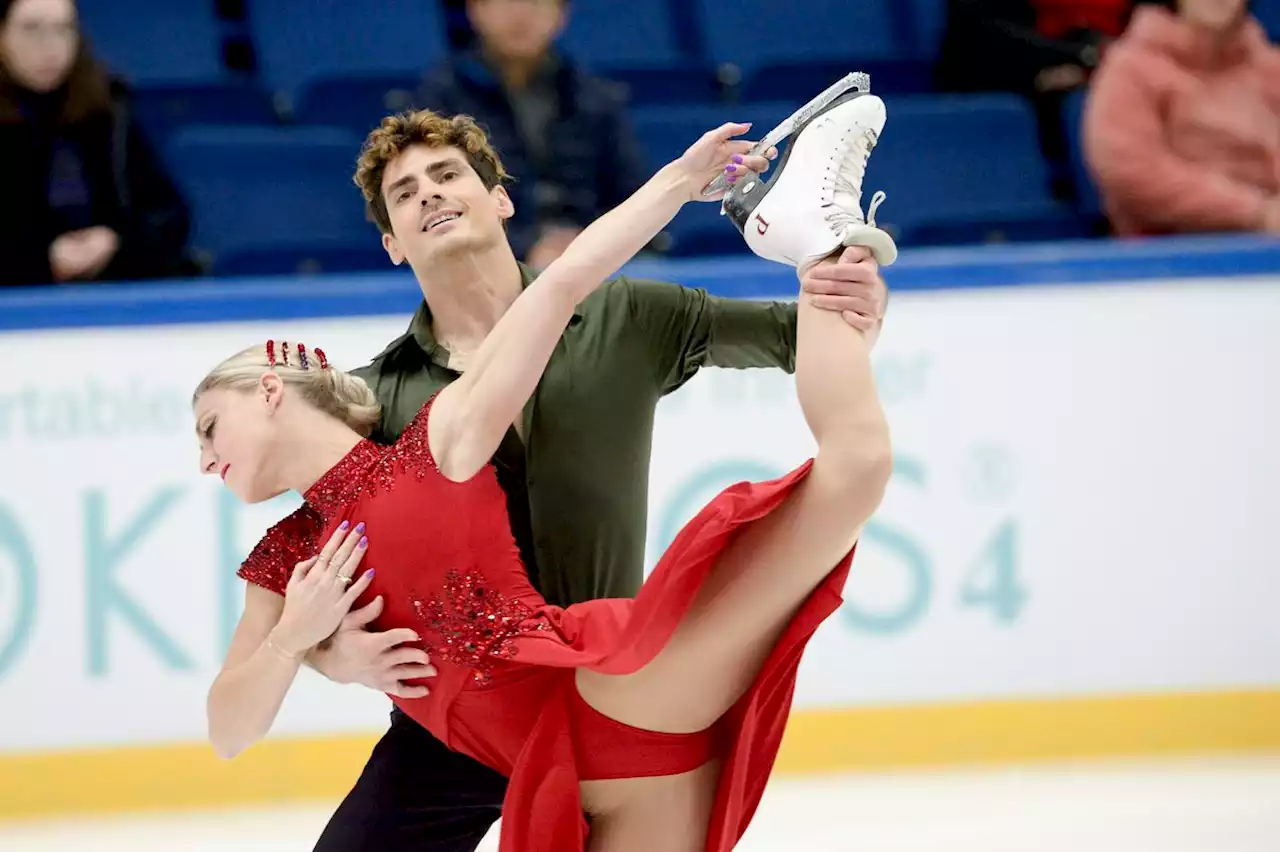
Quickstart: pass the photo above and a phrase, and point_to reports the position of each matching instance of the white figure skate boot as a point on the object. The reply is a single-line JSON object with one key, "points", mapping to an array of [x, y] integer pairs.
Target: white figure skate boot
{"points": [[812, 204]]}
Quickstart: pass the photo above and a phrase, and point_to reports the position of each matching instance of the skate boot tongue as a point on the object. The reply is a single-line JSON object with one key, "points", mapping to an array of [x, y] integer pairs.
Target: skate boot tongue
{"points": [[845, 212]]}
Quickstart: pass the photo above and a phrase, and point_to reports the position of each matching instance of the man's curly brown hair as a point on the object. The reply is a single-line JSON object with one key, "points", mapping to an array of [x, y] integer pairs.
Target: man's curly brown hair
{"points": [[422, 127]]}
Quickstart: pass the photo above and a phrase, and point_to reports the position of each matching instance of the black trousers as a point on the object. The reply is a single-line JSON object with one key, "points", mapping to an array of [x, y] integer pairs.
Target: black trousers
{"points": [[415, 794]]}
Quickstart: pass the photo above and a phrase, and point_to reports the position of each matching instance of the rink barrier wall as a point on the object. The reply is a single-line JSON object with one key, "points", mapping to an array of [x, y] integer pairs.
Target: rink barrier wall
{"points": [[878, 693], [188, 776]]}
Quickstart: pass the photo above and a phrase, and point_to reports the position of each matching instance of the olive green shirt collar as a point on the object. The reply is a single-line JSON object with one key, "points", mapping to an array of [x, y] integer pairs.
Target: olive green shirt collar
{"points": [[420, 325]]}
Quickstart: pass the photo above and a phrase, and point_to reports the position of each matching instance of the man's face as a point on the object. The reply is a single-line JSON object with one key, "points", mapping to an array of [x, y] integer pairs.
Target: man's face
{"points": [[440, 207], [517, 29]]}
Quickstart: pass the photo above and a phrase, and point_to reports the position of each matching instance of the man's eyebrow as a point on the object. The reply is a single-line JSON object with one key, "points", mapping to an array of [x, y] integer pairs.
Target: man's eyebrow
{"points": [[402, 182]]}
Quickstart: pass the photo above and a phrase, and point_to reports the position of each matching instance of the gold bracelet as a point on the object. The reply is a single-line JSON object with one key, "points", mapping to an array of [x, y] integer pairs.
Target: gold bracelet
{"points": [[281, 652]]}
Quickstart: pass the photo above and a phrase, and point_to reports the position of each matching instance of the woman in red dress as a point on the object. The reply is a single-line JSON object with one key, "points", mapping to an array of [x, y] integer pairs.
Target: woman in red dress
{"points": [[658, 718]]}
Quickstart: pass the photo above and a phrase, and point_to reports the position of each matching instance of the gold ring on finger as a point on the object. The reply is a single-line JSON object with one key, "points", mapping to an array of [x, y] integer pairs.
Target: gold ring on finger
{"points": [[344, 580]]}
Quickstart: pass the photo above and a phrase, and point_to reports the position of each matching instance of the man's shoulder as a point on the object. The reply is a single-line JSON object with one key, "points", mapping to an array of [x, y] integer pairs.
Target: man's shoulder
{"points": [[385, 361], [633, 298]]}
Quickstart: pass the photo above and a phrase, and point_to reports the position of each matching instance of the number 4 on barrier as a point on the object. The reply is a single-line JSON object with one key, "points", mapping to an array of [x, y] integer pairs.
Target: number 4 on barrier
{"points": [[993, 579]]}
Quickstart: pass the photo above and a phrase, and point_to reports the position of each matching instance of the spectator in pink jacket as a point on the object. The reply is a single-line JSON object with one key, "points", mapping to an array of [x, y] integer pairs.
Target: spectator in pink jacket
{"points": [[1182, 126]]}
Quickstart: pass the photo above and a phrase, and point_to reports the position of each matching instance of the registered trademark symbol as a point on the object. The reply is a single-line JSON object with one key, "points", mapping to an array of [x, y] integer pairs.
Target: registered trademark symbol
{"points": [[990, 473]]}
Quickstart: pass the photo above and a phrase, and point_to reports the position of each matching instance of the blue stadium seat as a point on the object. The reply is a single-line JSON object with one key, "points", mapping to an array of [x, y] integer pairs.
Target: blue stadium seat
{"points": [[963, 169], [300, 43], [1087, 200], [1268, 13], [753, 34], [604, 36], [164, 109], [665, 133], [928, 19], [155, 41], [802, 81], [356, 103], [638, 46], [677, 84], [304, 259], [271, 192]]}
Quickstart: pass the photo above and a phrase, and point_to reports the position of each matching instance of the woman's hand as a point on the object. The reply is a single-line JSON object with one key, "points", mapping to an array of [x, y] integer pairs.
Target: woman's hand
{"points": [[320, 592], [716, 153]]}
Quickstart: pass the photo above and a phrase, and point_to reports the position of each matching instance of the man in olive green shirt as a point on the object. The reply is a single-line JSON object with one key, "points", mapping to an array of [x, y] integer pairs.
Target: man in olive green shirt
{"points": [[575, 468]]}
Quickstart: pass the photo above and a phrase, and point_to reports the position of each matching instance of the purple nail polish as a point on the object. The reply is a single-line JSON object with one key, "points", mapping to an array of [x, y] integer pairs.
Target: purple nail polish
{"points": [[364, 542], [360, 527], [369, 573], [344, 526], [730, 169], [733, 178], [737, 158]]}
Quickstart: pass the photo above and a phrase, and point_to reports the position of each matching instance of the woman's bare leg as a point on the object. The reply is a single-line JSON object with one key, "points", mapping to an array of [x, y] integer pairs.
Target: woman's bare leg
{"points": [[775, 563], [763, 577], [668, 813]]}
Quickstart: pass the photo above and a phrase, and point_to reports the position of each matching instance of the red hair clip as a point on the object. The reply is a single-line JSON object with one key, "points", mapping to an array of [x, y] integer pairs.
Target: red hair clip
{"points": [[271, 353], [302, 356], [324, 362], [284, 352]]}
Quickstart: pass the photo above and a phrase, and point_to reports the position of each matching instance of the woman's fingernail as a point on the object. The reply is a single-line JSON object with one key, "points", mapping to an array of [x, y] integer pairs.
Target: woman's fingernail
{"points": [[737, 158], [369, 573], [731, 169], [364, 542], [344, 526], [360, 527]]}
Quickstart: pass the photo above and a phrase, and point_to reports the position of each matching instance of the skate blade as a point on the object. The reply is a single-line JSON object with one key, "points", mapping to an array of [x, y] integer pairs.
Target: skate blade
{"points": [[857, 80]]}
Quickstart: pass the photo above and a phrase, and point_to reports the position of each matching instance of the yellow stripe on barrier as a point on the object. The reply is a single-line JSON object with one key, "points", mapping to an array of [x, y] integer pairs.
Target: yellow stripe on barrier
{"points": [[183, 776]]}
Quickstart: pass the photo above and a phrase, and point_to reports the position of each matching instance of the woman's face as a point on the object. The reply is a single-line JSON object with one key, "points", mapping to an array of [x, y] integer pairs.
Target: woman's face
{"points": [[1213, 15], [238, 438], [38, 42]]}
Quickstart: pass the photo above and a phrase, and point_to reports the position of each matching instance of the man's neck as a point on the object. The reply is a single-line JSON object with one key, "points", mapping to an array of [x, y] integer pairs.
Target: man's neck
{"points": [[468, 294]]}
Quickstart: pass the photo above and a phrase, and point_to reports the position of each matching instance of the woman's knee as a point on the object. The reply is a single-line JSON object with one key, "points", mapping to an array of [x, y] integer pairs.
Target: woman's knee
{"points": [[855, 468]]}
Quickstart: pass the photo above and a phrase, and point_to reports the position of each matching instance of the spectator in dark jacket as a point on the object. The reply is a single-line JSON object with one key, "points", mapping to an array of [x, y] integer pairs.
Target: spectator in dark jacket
{"points": [[84, 197], [1026, 46], [1041, 49], [563, 134]]}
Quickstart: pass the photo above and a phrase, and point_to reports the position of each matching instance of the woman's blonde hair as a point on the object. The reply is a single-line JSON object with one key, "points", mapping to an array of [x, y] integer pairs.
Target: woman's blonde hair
{"points": [[334, 392]]}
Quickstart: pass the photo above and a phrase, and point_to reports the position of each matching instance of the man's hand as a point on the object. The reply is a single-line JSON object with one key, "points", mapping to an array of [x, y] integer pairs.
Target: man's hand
{"points": [[83, 254], [850, 283], [1061, 78], [381, 661]]}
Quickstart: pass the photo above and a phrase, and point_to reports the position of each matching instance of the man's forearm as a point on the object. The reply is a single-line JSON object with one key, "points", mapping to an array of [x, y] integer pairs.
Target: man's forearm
{"points": [[317, 658]]}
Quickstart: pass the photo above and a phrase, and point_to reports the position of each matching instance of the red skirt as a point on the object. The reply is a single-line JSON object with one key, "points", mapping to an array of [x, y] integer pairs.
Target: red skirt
{"points": [[542, 811]]}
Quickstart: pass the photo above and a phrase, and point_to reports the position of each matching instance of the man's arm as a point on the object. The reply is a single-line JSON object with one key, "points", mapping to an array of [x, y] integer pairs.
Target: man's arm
{"points": [[688, 329], [472, 414]]}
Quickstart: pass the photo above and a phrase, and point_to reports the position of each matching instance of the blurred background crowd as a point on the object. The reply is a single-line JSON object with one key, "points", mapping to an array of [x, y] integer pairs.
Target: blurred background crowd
{"points": [[172, 138]]}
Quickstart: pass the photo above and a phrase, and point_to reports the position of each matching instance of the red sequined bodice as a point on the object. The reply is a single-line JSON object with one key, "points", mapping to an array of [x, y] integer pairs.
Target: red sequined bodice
{"points": [[445, 561]]}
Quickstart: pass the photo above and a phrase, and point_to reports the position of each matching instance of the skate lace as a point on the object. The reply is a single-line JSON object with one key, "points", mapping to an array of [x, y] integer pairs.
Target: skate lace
{"points": [[844, 192]]}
